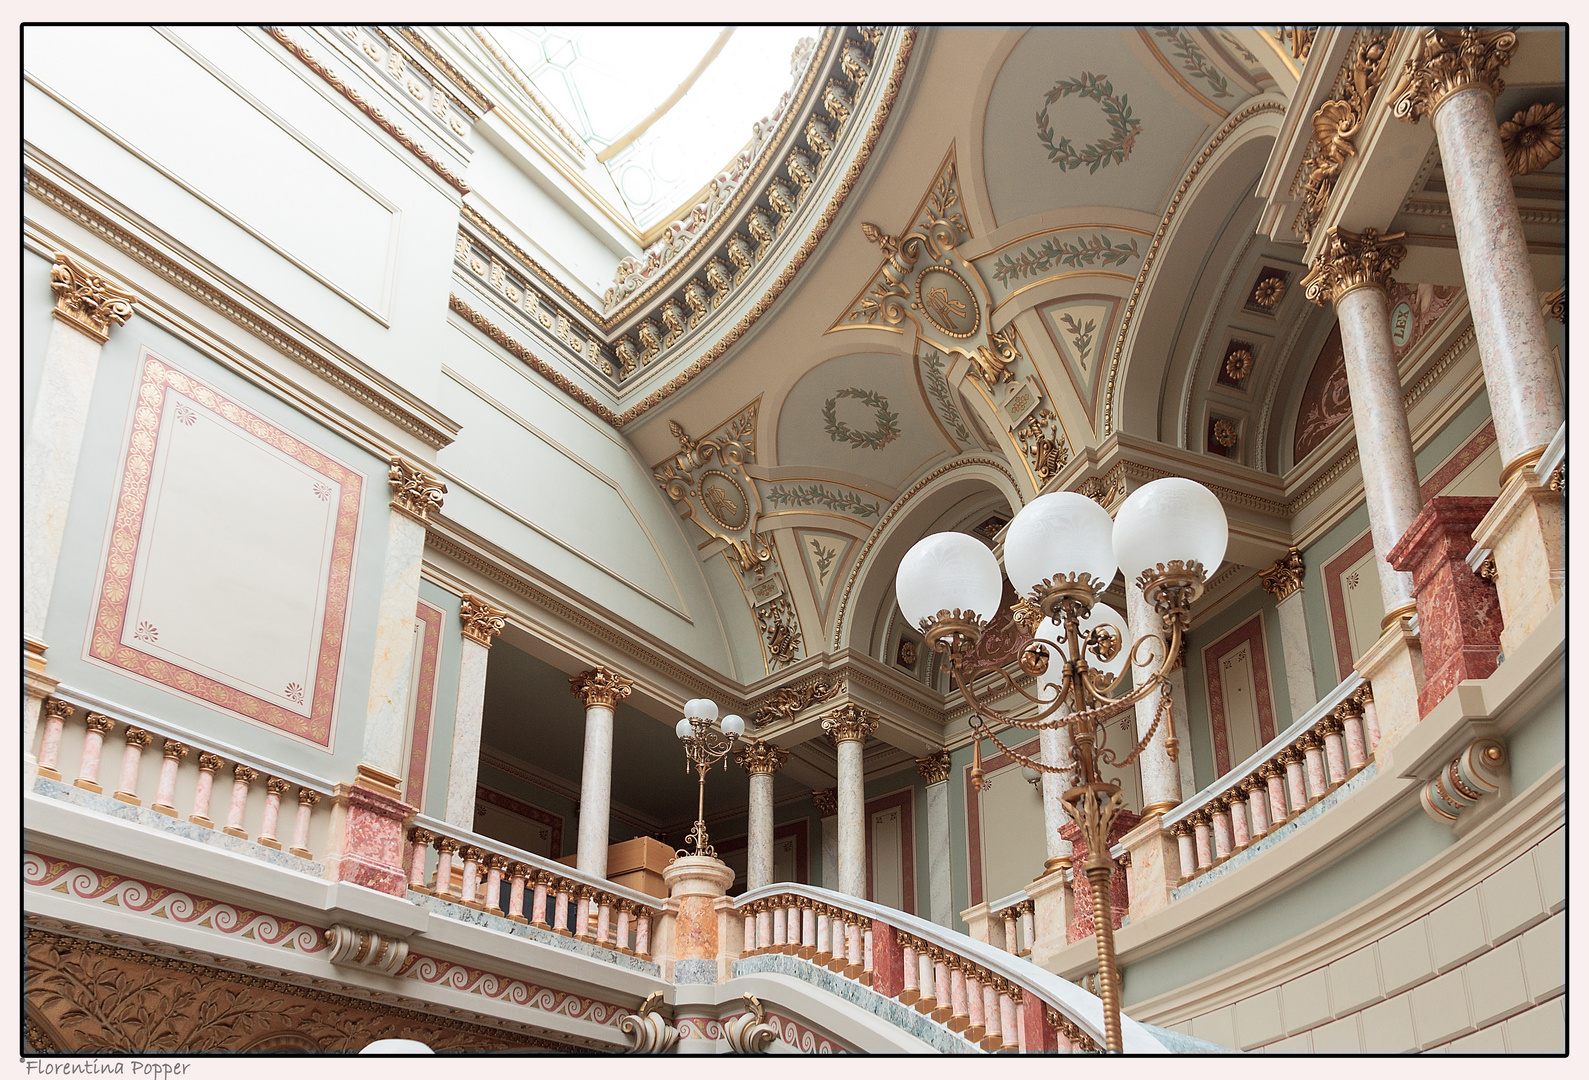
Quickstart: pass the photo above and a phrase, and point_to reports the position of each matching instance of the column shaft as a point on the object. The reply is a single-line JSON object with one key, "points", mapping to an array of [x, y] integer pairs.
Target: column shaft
{"points": [[1054, 750], [595, 791], [851, 819], [387, 714], [1161, 778], [758, 841], [463, 769]]}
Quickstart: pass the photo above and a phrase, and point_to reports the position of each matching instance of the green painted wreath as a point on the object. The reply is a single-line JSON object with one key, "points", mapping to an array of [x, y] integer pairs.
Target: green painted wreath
{"points": [[1123, 127], [887, 429]]}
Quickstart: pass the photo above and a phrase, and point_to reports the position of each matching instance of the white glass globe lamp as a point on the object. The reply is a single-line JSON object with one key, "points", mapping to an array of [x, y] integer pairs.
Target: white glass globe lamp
{"points": [[948, 572], [707, 709], [1058, 535], [733, 725], [683, 729], [692, 708], [1168, 520]]}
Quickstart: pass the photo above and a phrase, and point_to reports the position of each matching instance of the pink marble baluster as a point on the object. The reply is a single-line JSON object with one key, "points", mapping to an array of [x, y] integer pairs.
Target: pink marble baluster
{"points": [[56, 713], [1025, 915], [976, 1027], [1236, 809], [866, 956], [204, 788], [516, 875], [1011, 943], [275, 788], [446, 847], [792, 928], [929, 969], [642, 941], [808, 932], [625, 914], [1370, 719], [538, 901], [910, 989], [495, 864], [88, 769], [1274, 778], [307, 798], [419, 839], [763, 928], [852, 949], [127, 785], [942, 993], [603, 920], [750, 932], [991, 1017], [779, 927], [958, 1017], [560, 912], [1007, 1021], [1356, 740], [242, 777], [1296, 784], [471, 874], [1258, 806], [1205, 844], [1220, 819], [166, 795], [1334, 750], [1313, 757], [1182, 831]]}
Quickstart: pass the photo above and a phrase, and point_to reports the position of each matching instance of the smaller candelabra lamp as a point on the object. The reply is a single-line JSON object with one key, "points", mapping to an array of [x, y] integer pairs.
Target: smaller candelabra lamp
{"points": [[706, 742]]}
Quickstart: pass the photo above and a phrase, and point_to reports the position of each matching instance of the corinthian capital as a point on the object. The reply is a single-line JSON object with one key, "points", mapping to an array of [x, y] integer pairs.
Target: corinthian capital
{"points": [[599, 686], [1353, 261], [761, 758], [87, 301], [481, 621], [1447, 61], [934, 768], [1284, 577], [414, 491], [850, 723]]}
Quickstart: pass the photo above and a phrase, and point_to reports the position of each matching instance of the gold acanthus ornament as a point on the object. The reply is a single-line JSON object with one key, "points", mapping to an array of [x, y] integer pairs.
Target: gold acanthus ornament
{"points": [[1044, 445], [1532, 138], [481, 621], [826, 801], [1446, 62], [850, 723], [600, 686], [786, 701], [1283, 578], [1353, 261], [414, 491], [761, 758], [934, 768], [86, 300], [684, 479], [1336, 125]]}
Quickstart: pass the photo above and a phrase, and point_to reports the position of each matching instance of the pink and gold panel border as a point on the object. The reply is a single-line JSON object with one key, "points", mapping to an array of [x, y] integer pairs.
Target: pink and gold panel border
{"points": [[1249, 633], [108, 642]]}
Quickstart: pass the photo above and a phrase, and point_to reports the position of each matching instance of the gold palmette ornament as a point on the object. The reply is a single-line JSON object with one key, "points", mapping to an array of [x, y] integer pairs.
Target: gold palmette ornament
{"points": [[1079, 650]]}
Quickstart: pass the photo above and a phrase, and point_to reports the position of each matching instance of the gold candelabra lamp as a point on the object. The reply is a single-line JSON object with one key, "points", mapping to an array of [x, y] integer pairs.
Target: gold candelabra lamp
{"points": [[1061, 552], [706, 742]]}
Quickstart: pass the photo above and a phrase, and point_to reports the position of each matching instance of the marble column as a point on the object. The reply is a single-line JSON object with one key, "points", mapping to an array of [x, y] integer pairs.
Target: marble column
{"points": [[1161, 776], [848, 729], [86, 306], [762, 761], [365, 835], [1353, 271], [601, 690], [827, 804], [1054, 750], [934, 768], [1454, 76], [481, 623], [1283, 581]]}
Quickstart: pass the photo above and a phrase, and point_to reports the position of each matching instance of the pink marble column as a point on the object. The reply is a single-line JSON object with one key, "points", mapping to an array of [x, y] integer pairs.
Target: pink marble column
{"points": [[1370, 716], [1203, 831], [1334, 750], [1313, 758], [603, 921], [958, 1017], [538, 902], [625, 917], [127, 785], [560, 910], [495, 864], [204, 789], [446, 847], [166, 793], [1459, 614], [1219, 817], [910, 974], [93, 743], [56, 713], [471, 875], [1273, 774], [1011, 939], [419, 840], [977, 1027], [1356, 741], [991, 1016], [517, 872], [242, 777], [764, 928], [866, 956], [1236, 811], [750, 933], [1025, 912], [792, 928], [275, 788], [1296, 781], [808, 932], [925, 980], [1187, 848], [780, 927], [642, 936], [942, 994], [852, 949], [307, 798], [1258, 806], [1008, 1025]]}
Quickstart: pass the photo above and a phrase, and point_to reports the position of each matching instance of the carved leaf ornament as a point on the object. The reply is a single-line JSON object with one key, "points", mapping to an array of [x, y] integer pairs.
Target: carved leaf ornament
{"points": [[1123, 127]]}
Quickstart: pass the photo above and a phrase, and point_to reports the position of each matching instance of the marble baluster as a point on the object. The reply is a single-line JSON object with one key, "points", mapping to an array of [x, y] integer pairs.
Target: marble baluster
{"points": [[543, 880], [446, 848], [165, 795], [959, 1015], [867, 970], [925, 980], [1203, 831], [56, 713], [517, 872], [1353, 735], [99, 726], [626, 916], [471, 875], [642, 935], [780, 928], [127, 786], [1186, 847], [307, 798], [603, 920], [1219, 818], [495, 864], [204, 789], [1313, 765], [1334, 751], [976, 1026], [1296, 781], [1236, 811], [942, 993], [750, 933], [910, 991], [991, 1016], [764, 929], [481, 623], [242, 778], [1008, 1024], [1257, 805], [275, 788], [560, 910], [1025, 913], [808, 932], [1273, 773], [602, 690], [419, 844]]}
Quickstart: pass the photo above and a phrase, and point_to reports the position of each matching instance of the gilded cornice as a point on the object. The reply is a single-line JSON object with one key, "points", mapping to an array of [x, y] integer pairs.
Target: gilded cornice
{"points": [[365, 388], [435, 57], [368, 108], [539, 366]]}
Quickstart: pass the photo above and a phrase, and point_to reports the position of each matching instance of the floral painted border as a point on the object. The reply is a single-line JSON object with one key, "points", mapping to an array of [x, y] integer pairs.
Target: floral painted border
{"points": [[1251, 633], [106, 645]]}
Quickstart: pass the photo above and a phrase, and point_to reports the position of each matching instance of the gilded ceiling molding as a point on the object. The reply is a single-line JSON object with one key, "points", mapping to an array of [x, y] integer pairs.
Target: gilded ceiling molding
{"points": [[453, 116], [721, 499], [381, 120], [1446, 62], [445, 66], [484, 224], [85, 300], [1230, 125], [539, 366], [1284, 578], [367, 392], [481, 622]]}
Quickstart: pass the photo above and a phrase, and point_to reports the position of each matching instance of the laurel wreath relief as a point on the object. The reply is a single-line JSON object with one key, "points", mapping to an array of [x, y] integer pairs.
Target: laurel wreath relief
{"points": [[1124, 128], [887, 429]]}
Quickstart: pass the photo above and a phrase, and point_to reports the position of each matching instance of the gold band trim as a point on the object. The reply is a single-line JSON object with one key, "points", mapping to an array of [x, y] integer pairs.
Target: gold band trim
{"points": [[1399, 612], [1526, 460], [1160, 808]]}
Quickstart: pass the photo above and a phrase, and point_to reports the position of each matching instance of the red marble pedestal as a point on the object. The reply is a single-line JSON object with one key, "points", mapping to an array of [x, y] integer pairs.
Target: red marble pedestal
{"points": [[366, 841], [1459, 614], [888, 960], [1081, 923]]}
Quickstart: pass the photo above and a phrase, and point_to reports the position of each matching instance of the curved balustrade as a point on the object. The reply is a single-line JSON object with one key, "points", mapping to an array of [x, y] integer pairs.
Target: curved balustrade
{"points": [[981, 992], [476, 871]]}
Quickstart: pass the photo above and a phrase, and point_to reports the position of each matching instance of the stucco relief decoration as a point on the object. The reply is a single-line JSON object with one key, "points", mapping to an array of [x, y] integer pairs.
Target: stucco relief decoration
{"points": [[840, 500], [481, 622], [149, 562], [1285, 577], [787, 701], [1123, 127], [648, 1031], [414, 491], [1533, 137], [780, 632], [1336, 125], [86, 300], [1045, 445], [707, 477], [884, 431]]}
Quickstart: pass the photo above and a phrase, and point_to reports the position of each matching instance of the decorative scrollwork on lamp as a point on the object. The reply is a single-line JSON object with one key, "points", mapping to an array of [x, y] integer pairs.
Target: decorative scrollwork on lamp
{"points": [[706, 742], [1061, 552]]}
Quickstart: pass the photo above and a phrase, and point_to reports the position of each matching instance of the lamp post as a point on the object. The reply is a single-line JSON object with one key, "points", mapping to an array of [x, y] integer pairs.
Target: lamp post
{"points": [[1061, 552], [706, 742]]}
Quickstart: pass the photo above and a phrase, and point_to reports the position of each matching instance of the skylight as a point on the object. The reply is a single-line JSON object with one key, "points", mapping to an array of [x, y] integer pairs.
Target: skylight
{"points": [[609, 83]]}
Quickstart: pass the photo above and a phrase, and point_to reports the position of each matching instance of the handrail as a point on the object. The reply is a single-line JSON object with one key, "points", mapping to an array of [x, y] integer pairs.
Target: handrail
{"points": [[539, 862], [1080, 1007], [1335, 697]]}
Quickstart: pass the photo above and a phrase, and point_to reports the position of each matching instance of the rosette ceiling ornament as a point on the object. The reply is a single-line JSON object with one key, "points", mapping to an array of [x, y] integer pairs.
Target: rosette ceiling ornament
{"points": [[1061, 552]]}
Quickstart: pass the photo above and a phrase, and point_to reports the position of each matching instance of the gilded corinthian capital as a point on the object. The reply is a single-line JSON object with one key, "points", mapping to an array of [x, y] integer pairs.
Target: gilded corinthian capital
{"points": [[1447, 61], [1353, 261], [414, 491], [850, 723], [761, 758], [600, 686], [481, 621], [934, 768], [1283, 578], [87, 301]]}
